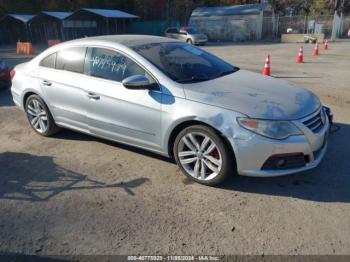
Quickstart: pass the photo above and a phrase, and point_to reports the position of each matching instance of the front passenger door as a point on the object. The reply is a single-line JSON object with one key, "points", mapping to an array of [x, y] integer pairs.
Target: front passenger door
{"points": [[131, 116]]}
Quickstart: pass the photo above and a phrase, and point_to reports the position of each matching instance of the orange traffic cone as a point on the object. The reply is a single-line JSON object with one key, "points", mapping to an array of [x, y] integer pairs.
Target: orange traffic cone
{"points": [[266, 70], [326, 47], [300, 55], [316, 50]]}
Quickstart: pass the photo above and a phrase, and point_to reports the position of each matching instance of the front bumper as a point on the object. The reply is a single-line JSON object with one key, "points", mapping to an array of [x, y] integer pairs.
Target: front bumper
{"points": [[252, 151], [282, 172], [200, 41]]}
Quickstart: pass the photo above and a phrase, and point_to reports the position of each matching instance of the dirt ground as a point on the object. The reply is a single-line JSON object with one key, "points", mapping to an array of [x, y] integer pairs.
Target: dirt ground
{"points": [[75, 194]]}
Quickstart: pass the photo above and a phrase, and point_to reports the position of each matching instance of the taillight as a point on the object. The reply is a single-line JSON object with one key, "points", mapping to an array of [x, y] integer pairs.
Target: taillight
{"points": [[12, 74], [2, 75]]}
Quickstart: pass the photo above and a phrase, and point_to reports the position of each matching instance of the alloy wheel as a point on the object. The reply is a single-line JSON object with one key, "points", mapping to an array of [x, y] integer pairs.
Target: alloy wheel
{"points": [[199, 156], [37, 115]]}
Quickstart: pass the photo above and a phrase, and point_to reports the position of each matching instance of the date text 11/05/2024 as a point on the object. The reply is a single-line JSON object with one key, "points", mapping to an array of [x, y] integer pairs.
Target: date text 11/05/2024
{"points": [[174, 258]]}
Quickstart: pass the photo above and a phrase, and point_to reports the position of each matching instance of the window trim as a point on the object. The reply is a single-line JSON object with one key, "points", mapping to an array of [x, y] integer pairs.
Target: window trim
{"points": [[158, 88]]}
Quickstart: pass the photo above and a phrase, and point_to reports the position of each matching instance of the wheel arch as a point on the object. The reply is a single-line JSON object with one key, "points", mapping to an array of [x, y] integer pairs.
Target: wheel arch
{"points": [[27, 95], [30, 92], [187, 123]]}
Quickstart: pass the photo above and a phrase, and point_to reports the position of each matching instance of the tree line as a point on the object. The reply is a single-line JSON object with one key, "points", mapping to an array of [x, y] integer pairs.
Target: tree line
{"points": [[173, 9]]}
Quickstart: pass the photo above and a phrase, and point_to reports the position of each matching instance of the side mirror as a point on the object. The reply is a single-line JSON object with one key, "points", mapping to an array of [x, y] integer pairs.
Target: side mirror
{"points": [[137, 82]]}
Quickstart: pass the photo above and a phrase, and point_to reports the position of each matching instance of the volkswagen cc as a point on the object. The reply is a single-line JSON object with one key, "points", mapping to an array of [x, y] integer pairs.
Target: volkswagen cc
{"points": [[176, 100]]}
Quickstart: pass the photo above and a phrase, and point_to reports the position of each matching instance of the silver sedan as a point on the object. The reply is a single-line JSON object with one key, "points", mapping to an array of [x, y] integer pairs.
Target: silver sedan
{"points": [[177, 100], [189, 35]]}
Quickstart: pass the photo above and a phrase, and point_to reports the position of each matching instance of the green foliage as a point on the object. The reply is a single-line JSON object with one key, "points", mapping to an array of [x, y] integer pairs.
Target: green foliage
{"points": [[171, 9], [283, 7], [310, 7], [319, 7], [341, 6]]}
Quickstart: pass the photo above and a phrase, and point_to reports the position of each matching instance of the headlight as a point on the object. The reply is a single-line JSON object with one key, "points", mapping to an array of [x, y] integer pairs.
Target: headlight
{"points": [[270, 128]]}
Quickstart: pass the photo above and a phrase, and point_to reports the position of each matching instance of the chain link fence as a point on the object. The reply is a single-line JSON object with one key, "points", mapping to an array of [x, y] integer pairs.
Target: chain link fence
{"points": [[345, 27], [274, 27], [247, 28], [228, 28]]}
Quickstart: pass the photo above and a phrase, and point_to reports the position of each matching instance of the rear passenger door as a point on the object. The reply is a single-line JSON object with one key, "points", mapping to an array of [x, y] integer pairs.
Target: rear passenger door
{"points": [[131, 116], [61, 78]]}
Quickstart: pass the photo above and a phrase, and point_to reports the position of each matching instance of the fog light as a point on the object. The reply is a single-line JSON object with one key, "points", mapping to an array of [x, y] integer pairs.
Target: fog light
{"points": [[285, 161], [281, 163]]}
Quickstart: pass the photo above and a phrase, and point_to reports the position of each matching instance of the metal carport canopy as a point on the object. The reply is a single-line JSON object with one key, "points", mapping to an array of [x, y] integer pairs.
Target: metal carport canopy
{"points": [[22, 18], [58, 15], [110, 13]]}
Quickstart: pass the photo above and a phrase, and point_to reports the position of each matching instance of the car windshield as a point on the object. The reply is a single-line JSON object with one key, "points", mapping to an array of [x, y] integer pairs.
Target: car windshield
{"points": [[184, 63]]}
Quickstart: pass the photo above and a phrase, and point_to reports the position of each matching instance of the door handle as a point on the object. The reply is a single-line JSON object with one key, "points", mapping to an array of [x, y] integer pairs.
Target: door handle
{"points": [[46, 83], [93, 96]]}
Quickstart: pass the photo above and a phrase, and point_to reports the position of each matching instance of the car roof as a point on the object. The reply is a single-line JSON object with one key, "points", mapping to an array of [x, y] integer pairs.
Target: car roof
{"points": [[128, 40]]}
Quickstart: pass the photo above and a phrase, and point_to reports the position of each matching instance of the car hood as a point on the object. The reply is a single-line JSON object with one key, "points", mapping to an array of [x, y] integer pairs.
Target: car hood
{"points": [[254, 95]]}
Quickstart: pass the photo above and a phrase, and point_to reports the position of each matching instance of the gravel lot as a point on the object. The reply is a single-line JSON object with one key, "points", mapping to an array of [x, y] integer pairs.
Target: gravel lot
{"points": [[75, 194]]}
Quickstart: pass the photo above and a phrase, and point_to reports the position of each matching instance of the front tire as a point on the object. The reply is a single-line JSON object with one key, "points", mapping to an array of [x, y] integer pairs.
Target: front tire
{"points": [[189, 41], [39, 116], [202, 155]]}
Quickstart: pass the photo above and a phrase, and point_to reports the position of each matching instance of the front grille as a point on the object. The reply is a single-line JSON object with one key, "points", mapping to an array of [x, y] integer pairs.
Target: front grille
{"points": [[315, 123]]}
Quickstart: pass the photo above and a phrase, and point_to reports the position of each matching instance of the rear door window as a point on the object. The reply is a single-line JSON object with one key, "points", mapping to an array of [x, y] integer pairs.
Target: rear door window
{"points": [[49, 61], [71, 59]]}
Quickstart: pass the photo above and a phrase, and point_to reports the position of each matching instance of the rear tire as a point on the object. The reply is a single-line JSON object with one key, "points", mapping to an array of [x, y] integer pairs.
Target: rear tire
{"points": [[39, 116], [202, 155]]}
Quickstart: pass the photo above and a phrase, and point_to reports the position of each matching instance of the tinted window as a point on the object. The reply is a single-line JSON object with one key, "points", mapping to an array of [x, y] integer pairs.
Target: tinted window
{"points": [[71, 59], [49, 61], [111, 65], [172, 31], [192, 30], [184, 63]]}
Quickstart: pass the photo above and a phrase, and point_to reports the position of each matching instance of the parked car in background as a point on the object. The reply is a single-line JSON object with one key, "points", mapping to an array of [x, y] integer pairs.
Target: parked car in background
{"points": [[177, 100], [188, 34], [5, 79]]}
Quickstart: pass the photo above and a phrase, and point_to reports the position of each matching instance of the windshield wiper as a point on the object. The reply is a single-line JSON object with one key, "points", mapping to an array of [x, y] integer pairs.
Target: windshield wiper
{"points": [[223, 73], [193, 79]]}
